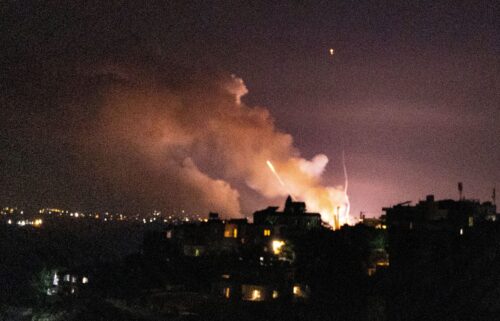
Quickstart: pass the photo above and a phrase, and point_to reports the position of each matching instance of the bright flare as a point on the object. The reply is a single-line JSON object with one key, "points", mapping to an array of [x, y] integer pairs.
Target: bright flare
{"points": [[271, 167], [277, 246]]}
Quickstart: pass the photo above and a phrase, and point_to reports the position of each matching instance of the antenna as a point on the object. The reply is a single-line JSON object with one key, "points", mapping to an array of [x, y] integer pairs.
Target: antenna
{"points": [[494, 196], [460, 191]]}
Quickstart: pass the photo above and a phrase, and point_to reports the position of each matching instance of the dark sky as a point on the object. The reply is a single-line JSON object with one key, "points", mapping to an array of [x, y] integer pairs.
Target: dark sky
{"points": [[412, 93]]}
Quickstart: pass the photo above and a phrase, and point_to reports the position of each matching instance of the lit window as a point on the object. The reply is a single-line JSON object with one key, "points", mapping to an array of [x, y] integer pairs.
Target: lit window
{"points": [[256, 295], [298, 291], [267, 232], [55, 280], [85, 280], [227, 292], [275, 294], [197, 252], [235, 233], [66, 278]]}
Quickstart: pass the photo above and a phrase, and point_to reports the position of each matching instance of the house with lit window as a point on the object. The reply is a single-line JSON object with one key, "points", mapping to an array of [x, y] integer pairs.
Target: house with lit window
{"points": [[67, 282], [261, 284]]}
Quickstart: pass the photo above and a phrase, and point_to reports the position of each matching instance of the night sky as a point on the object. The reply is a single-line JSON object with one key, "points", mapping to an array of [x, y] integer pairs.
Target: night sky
{"points": [[411, 95]]}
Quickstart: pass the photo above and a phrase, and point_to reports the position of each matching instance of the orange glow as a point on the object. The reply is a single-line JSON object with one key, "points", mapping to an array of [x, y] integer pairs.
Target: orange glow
{"points": [[277, 246], [231, 231]]}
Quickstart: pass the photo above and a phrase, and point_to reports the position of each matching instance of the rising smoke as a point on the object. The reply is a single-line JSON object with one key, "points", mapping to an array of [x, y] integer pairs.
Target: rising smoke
{"points": [[195, 139]]}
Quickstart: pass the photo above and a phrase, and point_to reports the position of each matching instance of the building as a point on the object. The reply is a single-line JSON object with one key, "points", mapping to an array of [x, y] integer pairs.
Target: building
{"points": [[294, 218], [258, 258], [431, 229]]}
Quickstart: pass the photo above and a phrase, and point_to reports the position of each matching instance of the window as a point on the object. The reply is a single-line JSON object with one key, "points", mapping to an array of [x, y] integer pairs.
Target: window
{"points": [[267, 232], [256, 295], [231, 231]]}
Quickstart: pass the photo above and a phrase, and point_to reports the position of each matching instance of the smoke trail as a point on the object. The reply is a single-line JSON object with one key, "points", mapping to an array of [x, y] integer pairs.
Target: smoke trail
{"points": [[346, 186]]}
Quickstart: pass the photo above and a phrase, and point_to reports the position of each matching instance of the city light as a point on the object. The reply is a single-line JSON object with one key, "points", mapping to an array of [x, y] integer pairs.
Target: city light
{"points": [[277, 246]]}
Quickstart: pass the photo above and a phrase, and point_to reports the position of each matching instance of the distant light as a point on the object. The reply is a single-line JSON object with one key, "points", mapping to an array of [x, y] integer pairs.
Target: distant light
{"points": [[256, 295], [9, 222], [461, 231], [85, 280], [297, 291], [277, 246], [55, 280], [275, 294], [332, 51]]}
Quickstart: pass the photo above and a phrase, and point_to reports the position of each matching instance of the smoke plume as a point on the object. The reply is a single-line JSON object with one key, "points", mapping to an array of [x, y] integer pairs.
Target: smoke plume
{"points": [[197, 139]]}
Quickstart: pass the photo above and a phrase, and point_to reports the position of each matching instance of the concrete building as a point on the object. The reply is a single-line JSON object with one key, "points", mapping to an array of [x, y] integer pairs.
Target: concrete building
{"points": [[431, 229]]}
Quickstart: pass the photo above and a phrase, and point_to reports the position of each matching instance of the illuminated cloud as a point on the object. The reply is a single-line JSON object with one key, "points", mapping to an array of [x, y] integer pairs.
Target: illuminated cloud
{"points": [[200, 137]]}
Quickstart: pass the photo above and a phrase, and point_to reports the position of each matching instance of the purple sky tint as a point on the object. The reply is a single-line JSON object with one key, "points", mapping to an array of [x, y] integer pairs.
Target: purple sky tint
{"points": [[412, 93]]}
